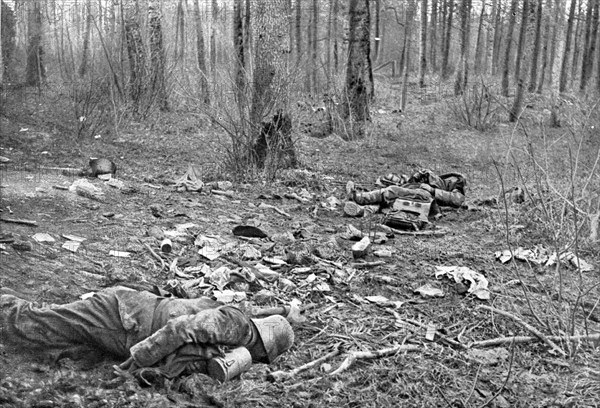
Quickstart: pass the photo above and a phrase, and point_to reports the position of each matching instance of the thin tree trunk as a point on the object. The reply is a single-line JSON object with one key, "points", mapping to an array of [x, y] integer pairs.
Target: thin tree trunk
{"points": [[359, 74], [479, 46], [336, 54], [315, 48], [433, 36], [86, 40], [423, 54], [462, 75], [298, 32], [546, 39], [35, 70], [213, 37], [498, 28], [553, 42], [577, 49], [588, 59], [135, 51], [200, 48], [180, 34], [410, 15], [536, 47], [157, 55], [377, 37], [509, 40], [442, 45], [562, 85], [517, 107], [448, 37]]}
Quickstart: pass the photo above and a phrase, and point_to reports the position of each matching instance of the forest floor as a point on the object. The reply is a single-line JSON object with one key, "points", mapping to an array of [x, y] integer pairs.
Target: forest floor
{"points": [[343, 299]]}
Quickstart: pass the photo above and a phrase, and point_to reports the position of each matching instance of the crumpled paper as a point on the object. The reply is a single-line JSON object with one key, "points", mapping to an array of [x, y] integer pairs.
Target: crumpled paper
{"points": [[478, 284]]}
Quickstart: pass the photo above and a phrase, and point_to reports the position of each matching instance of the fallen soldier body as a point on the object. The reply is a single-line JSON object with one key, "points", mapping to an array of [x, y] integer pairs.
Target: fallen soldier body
{"points": [[423, 187], [173, 335]]}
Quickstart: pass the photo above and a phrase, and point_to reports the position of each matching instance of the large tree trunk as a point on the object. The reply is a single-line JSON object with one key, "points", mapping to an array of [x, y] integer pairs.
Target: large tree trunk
{"points": [[447, 38], [298, 26], [200, 48], [377, 37], [85, 54], [135, 52], [180, 34], [359, 74], [517, 107], [213, 37], [509, 39], [423, 53], [462, 74], [562, 84], [7, 41], [536, 47], [577, 49], [336, 54], [157, 56], [35, 70], [587, 64]]}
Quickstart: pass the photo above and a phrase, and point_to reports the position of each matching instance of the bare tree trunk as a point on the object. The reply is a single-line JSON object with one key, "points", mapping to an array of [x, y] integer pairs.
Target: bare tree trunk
{"points": [[213, 37], [377, 37], [509, 39], [409, 18], [498, 28], [35, 71], [336, 55], [1, 41], [200, 49], [157, 55], [517, 107], [553, 45], [562, 84], [7, 41], [536, 47], [577, 49], [479, 46], [546, 39], [588, 58], [423, 53], [135, 51], [180, 33], [447, 38], [315, 48], [598, 66], [359, 74], [433, 35], [86, 40], [462, 74], [298, 32]]}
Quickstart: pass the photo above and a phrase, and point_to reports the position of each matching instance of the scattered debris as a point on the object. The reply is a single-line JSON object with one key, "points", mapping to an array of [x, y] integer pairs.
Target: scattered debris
{"points": [[72, 246], [16, 221], [249, 231], [360, 249], [120, 254], [428, 290], [478, 284], [543, 257], [43, 237], [19, 245], [190, 181], [86, 189]]}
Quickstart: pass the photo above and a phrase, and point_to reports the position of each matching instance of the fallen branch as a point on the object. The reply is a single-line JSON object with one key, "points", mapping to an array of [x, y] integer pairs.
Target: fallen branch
{"points": [[357, 355], [527, 326], [285, 375], [501, 341], [443, 337], [16, 221], [263, 205], [155, 255]]}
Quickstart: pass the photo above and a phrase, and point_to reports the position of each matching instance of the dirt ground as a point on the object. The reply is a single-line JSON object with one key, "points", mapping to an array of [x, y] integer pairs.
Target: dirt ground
{"points": [[333, 287]]}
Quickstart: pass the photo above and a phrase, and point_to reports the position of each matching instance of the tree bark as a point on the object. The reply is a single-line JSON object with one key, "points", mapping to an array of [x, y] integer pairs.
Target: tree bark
{"points": [[577, 49], [377, 37], [135, 51], [157, 55], [433, 36], [359, 74], [536, 47], [588, 59], [7, 41], [462, 75], [479, 45], [298, 25], [315, 48], [200, 48], [562, 84], [409, 17], [509, 39], [447, 42], [553, 45], [214, 8], [336, 55], [35, 71], [517, 107], [423, 53], [546, 39], [498, 28], [86, 39]]}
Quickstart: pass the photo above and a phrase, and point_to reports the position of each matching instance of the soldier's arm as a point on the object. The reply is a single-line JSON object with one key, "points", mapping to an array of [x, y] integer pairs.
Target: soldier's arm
{"points": [[452, 198]]}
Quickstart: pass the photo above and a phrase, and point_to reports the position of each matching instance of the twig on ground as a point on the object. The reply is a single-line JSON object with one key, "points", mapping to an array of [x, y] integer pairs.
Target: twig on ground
{"points": [[500, 341], [442, 337], [358, 355], [285, 375], [527, 326], [263, 205], [16, 221], [510, 365]]}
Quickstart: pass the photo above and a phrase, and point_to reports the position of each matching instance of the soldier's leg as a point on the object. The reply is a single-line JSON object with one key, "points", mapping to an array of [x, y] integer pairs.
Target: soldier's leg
{"points": [[94, 321]]}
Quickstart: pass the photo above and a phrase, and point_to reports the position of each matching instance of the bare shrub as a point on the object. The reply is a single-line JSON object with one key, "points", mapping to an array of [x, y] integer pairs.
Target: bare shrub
{"points": [[476, 107]]}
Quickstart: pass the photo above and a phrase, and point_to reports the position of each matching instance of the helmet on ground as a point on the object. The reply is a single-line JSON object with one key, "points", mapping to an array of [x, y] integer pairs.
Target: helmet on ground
{"points": [[276, 334]]}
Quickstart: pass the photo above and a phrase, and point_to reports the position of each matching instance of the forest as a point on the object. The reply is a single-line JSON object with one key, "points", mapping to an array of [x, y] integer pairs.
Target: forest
{"points": [[413, 184]]}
